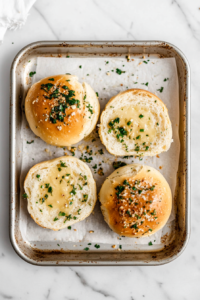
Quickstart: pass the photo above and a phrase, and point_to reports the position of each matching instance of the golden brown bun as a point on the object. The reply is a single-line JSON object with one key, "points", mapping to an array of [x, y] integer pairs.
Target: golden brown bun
{"points": [[135, 122], [51, 120], [60, 192], [136, 201]]}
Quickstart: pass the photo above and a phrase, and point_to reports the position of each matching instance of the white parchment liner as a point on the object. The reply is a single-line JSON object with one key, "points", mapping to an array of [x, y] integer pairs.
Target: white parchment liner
{"points": [[98, 73]]}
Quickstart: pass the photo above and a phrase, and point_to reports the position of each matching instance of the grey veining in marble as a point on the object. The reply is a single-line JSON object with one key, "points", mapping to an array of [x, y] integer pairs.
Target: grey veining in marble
{"points": [[176, 21]]}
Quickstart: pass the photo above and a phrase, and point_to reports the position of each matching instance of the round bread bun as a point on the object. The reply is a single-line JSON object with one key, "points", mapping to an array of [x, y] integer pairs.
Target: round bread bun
{"points": [[60, 192], [136, 201], [60, 110], [135, 122]]}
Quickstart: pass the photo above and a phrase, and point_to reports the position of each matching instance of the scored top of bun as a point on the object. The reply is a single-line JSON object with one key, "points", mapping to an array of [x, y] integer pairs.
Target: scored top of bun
{"points": [[60, 110], [136, 201], [135, 122], [60, 192]]}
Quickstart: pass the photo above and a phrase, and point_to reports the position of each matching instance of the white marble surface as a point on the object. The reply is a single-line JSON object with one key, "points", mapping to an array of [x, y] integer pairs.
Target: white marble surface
{"points": [[176, 21]]}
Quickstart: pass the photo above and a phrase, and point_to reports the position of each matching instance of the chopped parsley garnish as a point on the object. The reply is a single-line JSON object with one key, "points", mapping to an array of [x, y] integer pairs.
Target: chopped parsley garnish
{"points": [[129, 123], [145, 83], [90, 109], [68, 218], [161, 89], [30, 142], [38, 176], [166, 79], [150, 243], [146, 148], [152, 188], [73, 191], [138, 137], [97, 246], [65, 87], [134, 226], [50, 190], [141, 116], [122, 131], [97, 94], [118, 164], [129, 213], [55, 219], [126, 182], [118, 71], [101, 151], [141, 130], [47, 86], [63, 164], [61, 213], [31, 74], [80, 67], [69, 227], [85, 198], [86, 249], [119, 189], [25, 196], [50, 205], [51, 79]]}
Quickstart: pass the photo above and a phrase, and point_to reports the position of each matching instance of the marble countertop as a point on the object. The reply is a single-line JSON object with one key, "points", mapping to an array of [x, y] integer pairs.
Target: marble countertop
{"points": [[177, 22]]}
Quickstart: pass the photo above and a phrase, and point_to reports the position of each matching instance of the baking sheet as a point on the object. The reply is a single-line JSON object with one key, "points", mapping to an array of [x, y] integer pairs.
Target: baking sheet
{"points": [[98, 73]]}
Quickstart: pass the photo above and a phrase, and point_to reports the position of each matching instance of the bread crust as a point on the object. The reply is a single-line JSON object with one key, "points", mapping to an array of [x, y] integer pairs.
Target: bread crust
{"points": [[136, 201], [34, 187], [157, 102], [59, 120]]}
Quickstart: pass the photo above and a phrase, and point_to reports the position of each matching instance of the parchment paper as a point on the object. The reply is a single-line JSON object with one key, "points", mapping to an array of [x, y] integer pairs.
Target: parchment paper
{"points": [[148, 74]]}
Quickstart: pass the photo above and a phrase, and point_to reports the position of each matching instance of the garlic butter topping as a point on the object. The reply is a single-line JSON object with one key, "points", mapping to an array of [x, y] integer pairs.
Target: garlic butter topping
{"points": [[134, 206], [58, 190], [136, 123]]}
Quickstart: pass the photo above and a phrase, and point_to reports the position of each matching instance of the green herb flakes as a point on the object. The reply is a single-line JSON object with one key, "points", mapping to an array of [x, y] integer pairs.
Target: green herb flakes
{"points": [[31, 142], [31, 74], [119, 72]]}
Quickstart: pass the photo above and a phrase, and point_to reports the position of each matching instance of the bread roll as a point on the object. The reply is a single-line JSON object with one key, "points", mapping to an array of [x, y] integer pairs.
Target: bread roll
{"points": [[60, 110], [135, 122], [60, 192], [136, 201]]}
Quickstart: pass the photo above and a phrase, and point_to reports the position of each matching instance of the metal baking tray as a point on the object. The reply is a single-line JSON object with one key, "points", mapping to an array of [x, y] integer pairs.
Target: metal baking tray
{"points": [[47, 254]]}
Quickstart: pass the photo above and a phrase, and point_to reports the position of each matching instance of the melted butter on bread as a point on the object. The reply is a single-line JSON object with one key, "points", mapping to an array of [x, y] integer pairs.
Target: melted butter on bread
{"points": [[139, 124], [60, 192], [61, 197], [135, 122]]}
